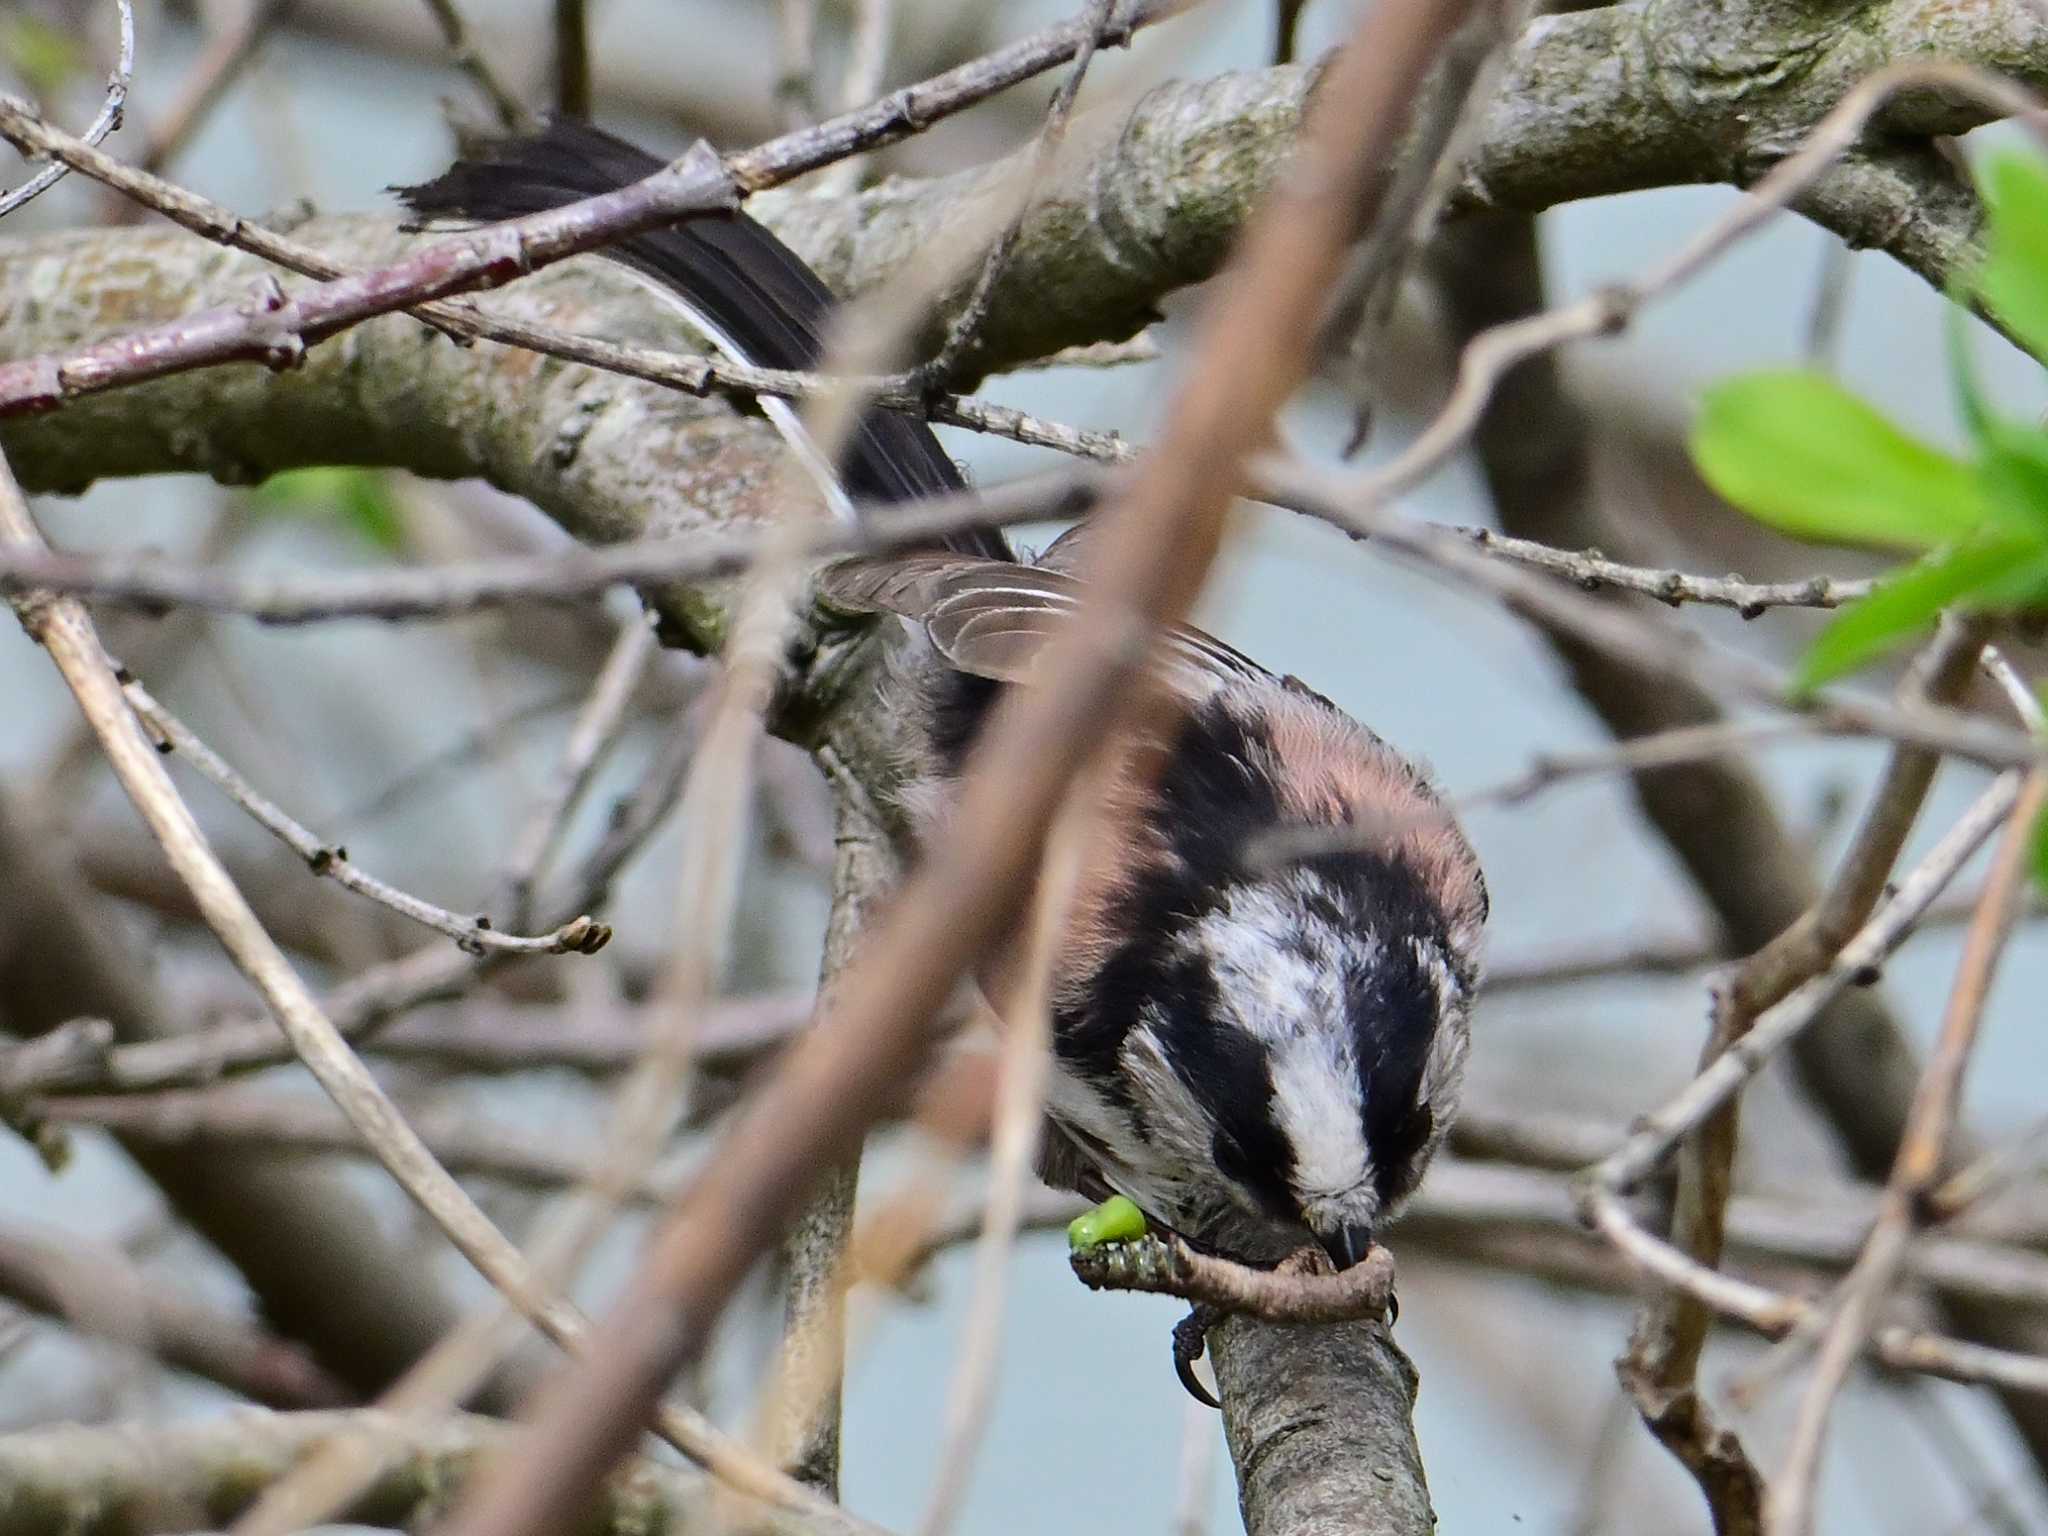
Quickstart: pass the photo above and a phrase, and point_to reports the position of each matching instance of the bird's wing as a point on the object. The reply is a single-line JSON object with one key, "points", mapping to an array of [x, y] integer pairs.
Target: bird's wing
{"points": [[993, 618]]}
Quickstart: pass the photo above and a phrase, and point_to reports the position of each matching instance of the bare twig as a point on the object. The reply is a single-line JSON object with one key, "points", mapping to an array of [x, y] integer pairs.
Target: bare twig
{"points": [[427, 975], [275, 329], [136, 1480], [265, 1118], [570, 575], [1664, 1348], [464, 53], [580, 935], [796, 39], [1593, 572], [937, 372], [1023, 1071], [867, 64], [1601, 1189], [1167, 1266], [597, 727], [1789, 1509], [106, 122], [1610, 309], [690, 372], [1344, 499], [226, 56]]}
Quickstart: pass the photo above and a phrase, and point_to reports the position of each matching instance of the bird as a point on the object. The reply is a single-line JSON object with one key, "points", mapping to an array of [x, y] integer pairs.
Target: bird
{"points": [[1260, 1054]]}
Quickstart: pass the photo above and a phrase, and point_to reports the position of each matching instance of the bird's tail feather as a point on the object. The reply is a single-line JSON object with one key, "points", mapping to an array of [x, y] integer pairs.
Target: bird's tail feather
{"points": [[751, 294]]}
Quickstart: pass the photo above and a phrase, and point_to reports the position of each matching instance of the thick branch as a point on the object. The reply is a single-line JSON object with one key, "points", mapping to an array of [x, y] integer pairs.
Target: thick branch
{"points": [[1318, 1419], [1144, 202], [125, 1481]]}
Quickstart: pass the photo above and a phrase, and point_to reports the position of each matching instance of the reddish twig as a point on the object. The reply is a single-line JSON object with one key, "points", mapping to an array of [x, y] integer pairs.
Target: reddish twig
{"points": [[1166, 1266]]}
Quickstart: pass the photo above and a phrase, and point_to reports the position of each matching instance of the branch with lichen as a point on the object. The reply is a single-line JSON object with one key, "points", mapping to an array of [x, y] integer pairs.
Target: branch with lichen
{"points": [[1104, 244], [128, 1480]]}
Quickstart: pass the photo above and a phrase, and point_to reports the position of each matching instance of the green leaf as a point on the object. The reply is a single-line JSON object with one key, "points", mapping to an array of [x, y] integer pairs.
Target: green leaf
{"points": [[1982, 573], [2014, 470], [1962, 365], [1797, 451], [2013, 279], [45, 58], [361, 497], [2040, 850]]}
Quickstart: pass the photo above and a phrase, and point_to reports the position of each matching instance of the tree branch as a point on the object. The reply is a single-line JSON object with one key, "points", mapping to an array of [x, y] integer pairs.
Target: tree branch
{"points": [[129, 1481], [310, 1249], [1142, 202], [1318, 1419]]}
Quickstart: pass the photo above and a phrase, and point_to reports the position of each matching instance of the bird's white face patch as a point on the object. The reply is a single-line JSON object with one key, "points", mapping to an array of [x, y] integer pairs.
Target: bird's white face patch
{"points": [[1279, 969], [1279, 972]]}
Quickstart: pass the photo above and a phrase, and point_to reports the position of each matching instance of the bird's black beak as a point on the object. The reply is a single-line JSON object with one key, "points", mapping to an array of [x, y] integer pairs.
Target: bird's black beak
{"points": [[1348, 1246]]}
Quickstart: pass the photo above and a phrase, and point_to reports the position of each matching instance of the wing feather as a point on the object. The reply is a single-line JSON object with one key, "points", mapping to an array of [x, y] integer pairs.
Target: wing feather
{"points": [[993, 618]]}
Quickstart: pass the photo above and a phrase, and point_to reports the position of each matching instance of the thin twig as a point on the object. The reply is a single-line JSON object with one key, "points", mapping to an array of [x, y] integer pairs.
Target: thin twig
{"points": [[1601, 1190], [226, 56], [1570, 965], [275, 328], [106, 122], [689, 372], [1610, 309], [274, 1121], [715, 800], [1670, 1332], [461, 587], [42, 1273], [1343, 499], [1789, 1509], [867, 64], [1593, 572], [464, 53], [938, 371], [476, 935], [2018, 692], [1166, 1266], [1998, 1169], [1658, 1133], [796, 39], [486, 1036], [596, 730]]}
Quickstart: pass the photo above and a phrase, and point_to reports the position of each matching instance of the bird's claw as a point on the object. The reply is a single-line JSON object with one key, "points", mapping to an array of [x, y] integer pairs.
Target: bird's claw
{"points": [[1190, 1342]]}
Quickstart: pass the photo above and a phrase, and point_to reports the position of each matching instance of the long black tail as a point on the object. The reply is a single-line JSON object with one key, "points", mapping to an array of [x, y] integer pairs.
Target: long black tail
{"points": [[750, 288]]}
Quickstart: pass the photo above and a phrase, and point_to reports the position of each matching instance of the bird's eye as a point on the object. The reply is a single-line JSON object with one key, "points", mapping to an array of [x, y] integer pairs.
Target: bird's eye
{"points": [[1397, 1147], [1264, 1179]]}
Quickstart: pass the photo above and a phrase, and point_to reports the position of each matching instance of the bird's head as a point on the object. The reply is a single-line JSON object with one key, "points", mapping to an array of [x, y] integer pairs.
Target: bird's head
{"points": [[1324, 1048]]}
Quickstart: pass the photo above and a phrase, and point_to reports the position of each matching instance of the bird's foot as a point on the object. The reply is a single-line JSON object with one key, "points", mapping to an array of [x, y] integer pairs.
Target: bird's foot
{"points": [[1116, 1220], [1190, 1343]]}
